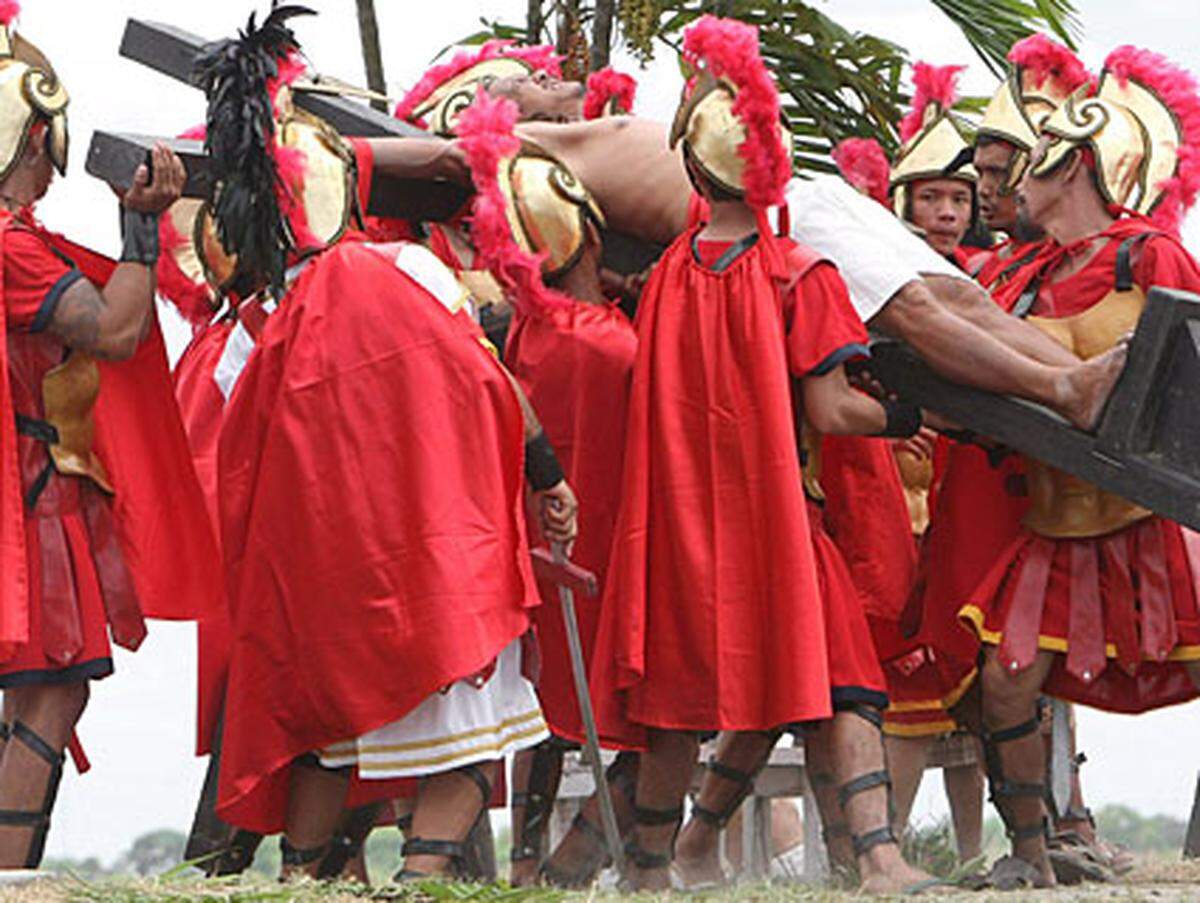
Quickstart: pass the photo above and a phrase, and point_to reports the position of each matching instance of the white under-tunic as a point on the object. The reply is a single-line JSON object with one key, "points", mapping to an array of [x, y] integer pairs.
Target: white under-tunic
{"points": [[464, 725], [874, 252]]}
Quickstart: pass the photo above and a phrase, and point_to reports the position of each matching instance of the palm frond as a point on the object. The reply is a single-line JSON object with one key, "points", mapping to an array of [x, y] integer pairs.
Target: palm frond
{"points": [[993, 26]]}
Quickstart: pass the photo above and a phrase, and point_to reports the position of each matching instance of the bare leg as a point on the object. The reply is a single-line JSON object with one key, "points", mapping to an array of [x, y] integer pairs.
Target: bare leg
{"points": [[664, 775], [581, 854], [964, 790], [315, 802], [963, 352], [863, 793], [42, 718], [906, 760], [448, 804], [729, 777], [819, 761], [1016, 760]]}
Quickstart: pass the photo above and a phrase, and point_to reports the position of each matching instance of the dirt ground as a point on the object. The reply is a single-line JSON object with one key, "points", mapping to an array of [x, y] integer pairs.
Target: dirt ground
{"points": [[1162, 881]]}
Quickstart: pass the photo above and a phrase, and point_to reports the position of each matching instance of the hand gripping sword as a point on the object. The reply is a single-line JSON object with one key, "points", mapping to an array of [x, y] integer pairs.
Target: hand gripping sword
{"points": [[556, 567]]}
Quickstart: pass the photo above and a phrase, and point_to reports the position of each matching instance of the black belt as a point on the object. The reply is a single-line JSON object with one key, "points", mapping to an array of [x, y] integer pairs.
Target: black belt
{"points": [[40, 431]]}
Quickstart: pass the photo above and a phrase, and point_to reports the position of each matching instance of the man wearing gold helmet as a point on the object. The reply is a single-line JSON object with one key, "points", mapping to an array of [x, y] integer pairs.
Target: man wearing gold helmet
{"points": [[719, 614], [378, 634], [85, 416], [1095, 601]]}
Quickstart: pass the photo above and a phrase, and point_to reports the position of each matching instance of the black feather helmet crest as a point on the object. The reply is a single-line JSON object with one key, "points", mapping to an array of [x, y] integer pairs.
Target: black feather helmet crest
{"points": [[282, 181]]}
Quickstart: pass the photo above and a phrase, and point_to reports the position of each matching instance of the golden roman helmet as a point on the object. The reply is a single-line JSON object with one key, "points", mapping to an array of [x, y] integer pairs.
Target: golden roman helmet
{"points": [[1042, 75], [444, 105], [711, 133], [937, 145], [548, 209], [327, 188], [1134, 136], [29, 91]]}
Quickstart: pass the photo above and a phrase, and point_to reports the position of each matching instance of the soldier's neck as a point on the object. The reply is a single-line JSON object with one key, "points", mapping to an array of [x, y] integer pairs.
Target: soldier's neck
{"points": [[582, 282], [1077, 218], [729, 221]]}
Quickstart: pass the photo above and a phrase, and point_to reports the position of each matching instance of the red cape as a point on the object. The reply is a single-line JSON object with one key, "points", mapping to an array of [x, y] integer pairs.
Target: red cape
{"points": [[712, 618], [372, 519], [166, 538], [575, 366]]}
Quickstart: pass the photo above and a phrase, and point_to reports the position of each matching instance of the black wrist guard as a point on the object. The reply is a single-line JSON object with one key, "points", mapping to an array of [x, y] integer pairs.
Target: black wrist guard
{"points": [[542, 469], [903, 419], [139, 237]]}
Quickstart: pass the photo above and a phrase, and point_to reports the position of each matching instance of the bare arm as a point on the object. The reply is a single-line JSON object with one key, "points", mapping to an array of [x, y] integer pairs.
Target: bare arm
{"points": [[834, 407], [969, 301], [111, 322], [420, 158]]}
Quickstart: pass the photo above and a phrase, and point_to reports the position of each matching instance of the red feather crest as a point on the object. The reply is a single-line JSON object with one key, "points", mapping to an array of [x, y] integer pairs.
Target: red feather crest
{"points": [[729, 49], [9, 10], [931, 84], [485, 134], [863, 163], [541, 58], [1047, 60], [605, 85], [1176, 88]]}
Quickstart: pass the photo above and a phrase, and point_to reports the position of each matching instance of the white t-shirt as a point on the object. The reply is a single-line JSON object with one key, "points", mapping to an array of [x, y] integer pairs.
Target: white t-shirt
{"points": [[874, 252]]}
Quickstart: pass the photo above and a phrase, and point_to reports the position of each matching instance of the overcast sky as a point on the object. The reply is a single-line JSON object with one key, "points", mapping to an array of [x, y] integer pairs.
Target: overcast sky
{"points": [[139, 728]]}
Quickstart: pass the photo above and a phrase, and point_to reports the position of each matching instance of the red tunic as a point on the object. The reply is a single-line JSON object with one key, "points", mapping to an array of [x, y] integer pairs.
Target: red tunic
{"points": [[575, 366], [1122, 607], [712, 617], [77, 562], [407, 567]]}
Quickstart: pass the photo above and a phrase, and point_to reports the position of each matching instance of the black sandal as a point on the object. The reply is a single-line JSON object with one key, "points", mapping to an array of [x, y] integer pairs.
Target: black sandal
{"points": [[455, 850], [38, 821]]}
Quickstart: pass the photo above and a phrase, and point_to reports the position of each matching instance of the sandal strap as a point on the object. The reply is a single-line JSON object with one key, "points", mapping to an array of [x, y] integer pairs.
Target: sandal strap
{"points": [[863, 783], [5, 731], [238, 853], [404, 822], [519, 798], [39, 821], [652, 817], [728, 772], [348, 842], [1016, 732], [43, 750], [586, 827], [1009, 789], [1028, 832], [864, 843], [18, 818], [297, 856], [475, 773], [419, 846]]}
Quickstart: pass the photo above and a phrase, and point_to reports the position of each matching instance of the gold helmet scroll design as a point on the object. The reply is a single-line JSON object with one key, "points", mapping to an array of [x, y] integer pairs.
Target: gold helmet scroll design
{"points": [[712, 134], [29, 91], [1119, 140], [443, 107], [549, 210], [1015, 115], [928, 155]]}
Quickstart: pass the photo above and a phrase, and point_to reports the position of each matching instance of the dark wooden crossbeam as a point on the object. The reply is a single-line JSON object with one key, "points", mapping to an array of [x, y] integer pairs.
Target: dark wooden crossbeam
{"points": [[114, 156], [172, 51], [1148, 446]]}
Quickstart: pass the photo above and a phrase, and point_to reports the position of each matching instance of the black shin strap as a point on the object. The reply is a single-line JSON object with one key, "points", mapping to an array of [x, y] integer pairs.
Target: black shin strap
{"points": [[475, 773], [861, 784], [538, 801], [419, 846], [1002, 789], [296, 857], [744, 783], [654, 817], [347, 842], [38, 821], [644, 859], [864, 843], [238, 855]]}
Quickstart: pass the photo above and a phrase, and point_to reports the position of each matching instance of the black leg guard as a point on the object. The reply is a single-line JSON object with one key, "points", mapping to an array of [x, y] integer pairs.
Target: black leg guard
{"points": [[238, 855], [743, 782], [297, 857], [643, 858], [348, 840], [39, 821], [1002, 789], [538, 801], [454, 850], [868, 840]]}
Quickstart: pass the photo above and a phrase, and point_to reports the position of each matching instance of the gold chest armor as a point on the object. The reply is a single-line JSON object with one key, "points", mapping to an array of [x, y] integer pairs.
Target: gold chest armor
{"points": [[69, 393], [916, 476], [1063, 506]]}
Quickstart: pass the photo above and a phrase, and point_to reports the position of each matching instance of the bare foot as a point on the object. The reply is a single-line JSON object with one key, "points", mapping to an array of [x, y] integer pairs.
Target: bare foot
{"points": [[697, 860], [576, 860], [652, 880], [523, 873], [1085, 389], [884, 871]]}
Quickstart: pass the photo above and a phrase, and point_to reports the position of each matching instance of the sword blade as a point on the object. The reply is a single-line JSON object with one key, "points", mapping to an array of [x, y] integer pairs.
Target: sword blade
{"points": [[1060, 756], [608, 816]]}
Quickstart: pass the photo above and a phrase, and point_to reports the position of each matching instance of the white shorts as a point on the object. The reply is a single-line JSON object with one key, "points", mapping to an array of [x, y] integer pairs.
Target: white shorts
{"points": [[462, 726], [874, 252]]}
